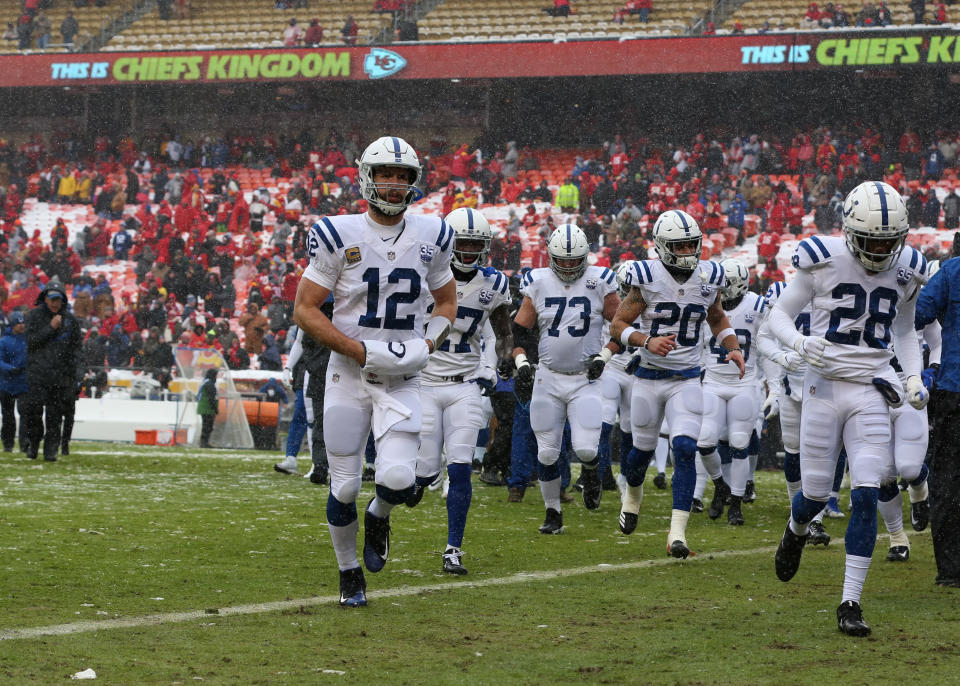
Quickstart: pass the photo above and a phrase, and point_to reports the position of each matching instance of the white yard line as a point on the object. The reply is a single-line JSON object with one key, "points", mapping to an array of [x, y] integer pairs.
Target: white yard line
{"points": [[373, 596]]}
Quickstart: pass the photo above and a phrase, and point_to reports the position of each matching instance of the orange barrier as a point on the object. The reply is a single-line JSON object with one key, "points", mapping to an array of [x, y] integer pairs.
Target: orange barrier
{"points": [[259, 412]]}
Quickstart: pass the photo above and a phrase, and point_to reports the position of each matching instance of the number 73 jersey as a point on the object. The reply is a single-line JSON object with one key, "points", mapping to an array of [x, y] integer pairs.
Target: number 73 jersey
{"points": [[569, 314], [854, 309], [380, 287]]}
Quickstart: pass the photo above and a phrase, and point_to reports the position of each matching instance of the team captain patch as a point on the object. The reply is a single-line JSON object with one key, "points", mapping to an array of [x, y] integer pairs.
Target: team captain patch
{"points": [[352, 255]]}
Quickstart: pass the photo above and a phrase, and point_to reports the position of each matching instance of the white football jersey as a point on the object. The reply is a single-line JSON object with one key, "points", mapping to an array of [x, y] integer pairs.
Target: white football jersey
{"points": [[802, 322], [745, 319], [675, 308], [460, 354], [379, 285], [570, 315], [853, 309]]}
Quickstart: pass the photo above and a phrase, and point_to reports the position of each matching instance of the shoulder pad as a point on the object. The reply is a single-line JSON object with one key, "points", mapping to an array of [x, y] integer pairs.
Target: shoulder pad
{"points": [[810, 251], [640, 273], [712, 272], [527, 279], [445, 236], [916, 261], [500, 282], [327, 234], [773, 293], [759, 304], [608, 275]]}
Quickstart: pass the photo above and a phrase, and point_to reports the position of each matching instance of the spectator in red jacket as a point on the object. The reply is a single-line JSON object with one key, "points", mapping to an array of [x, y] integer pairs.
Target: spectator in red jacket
{"points": [[768, 244], [314, 34], [795, 216]]}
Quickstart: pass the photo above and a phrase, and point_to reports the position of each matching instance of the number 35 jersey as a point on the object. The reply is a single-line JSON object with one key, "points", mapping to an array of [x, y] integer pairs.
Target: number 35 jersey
{"points": [[380, 287], [570, 315], [854, 309], [675, 308]]}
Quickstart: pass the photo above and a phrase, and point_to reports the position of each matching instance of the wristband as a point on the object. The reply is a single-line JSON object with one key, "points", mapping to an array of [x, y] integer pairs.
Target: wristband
{"points": [[438, 328], [726, 332], [605, 355], [646, 343], [625, 336], [520, 360]]}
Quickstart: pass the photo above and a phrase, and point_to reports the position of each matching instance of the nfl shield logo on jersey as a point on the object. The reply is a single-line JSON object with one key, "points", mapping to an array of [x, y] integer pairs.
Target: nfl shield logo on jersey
{"points": [[391, 256], [426, 253], [486, 297]]}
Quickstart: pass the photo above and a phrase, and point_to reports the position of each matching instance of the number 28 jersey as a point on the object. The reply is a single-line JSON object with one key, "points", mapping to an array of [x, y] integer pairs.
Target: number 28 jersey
{"points": [[380, 287], [854, 309], [569, 314], [675, 308]]}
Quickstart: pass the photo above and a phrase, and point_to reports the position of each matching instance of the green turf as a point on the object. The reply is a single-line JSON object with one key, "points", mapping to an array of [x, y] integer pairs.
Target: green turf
{"points": [[123, 532]]}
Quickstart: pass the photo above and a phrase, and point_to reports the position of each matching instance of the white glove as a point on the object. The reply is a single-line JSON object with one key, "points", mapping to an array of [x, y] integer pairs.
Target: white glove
{"points": [[917, 394], [811, 349], [287, 376], [789, 360], [396, 359], [771, 406]]}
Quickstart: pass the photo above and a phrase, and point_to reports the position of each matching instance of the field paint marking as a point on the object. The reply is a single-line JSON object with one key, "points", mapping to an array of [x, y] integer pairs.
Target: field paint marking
{"points": [[399, 592]]}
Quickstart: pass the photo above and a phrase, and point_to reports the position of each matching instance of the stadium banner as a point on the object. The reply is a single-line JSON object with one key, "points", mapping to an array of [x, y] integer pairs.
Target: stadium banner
{"points": [[874, 49]]}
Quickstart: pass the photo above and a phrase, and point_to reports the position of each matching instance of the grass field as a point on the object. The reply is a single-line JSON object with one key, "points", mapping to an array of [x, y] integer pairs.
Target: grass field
{"points": [[170, 566]]}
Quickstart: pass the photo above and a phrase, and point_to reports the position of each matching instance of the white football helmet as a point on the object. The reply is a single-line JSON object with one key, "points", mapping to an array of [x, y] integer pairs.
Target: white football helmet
{"points": [[624, 282], [469, 225], [738, 279], [675, 228], [389, 151], [875, 224], [568, 242], [933, 266]]}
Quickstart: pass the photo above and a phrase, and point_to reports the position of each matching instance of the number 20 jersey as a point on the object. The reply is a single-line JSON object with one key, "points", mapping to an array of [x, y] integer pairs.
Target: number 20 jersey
{"points": [[675, 308], [570, 315], [380, 288], [854, 309]]}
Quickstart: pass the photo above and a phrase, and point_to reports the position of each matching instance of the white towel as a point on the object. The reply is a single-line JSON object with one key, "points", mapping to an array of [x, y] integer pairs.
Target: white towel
{"points": [[387, 410]]}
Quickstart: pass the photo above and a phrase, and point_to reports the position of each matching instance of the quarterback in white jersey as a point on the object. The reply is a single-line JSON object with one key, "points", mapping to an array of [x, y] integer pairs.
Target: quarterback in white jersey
{"points": [[380, 267], [457, 376], [729, 400], [671, 299], [568, 301], [863, 291]]}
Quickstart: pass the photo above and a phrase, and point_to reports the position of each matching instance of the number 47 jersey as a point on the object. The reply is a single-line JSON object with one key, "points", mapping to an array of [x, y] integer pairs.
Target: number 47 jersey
{"points": [[380, 287], [854, 309]]}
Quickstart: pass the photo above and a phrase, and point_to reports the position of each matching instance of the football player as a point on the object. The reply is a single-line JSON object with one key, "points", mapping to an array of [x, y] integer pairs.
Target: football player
{"points": [[863, 291], [457, 377], [381, 266], [729, 397], [569, 301], [671, 298]]}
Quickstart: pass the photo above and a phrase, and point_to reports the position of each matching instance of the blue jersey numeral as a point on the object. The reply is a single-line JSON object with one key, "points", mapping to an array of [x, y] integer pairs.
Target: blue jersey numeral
{"points": [[390, 320], [561, 304], [880, 305], [743, 337], [692, 315], [464, 345]]}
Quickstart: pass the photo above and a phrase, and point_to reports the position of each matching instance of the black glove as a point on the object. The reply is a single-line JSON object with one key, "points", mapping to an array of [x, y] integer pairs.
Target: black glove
{"points": [[595, 367], [505, 368], [487, 387], [523, 388], [525, 374], [632, 365]]}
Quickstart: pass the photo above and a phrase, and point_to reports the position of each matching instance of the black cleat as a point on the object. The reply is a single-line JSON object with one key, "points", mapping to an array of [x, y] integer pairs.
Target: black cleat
{"points": [[660, 481], [491, 478], [679, 550], [578, 484], [592, 488], [49, 458], [696, 506], [452, 563], [609, 481], [850, 619], [369, 474], [416, 495], [920, 514], [898, 553], [817, 534], [628, 522], [376, 540], [720, 494], [64, 448], [750, 494], [734, 514], [318, 476], [353, 588], [788, 555], [553, 524]]}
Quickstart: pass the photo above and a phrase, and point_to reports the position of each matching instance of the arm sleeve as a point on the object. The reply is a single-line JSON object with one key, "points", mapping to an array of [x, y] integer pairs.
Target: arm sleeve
{"points": [[789, 305], [296, 350], [489, 345], [905, 339], [933, 335]]}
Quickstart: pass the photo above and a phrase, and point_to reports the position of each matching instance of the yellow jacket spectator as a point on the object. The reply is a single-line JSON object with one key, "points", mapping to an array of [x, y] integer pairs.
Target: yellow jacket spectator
{"points": [[568, 196], [466, 198], [85, 188], [67, 187]]}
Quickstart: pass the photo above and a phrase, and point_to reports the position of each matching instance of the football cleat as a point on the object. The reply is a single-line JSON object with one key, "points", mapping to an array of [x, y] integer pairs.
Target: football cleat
{"points": [[920, 514], [353, 588], [660, 481], [317, 475], [720, 494], [376, 540], [451, 561], [565, 497], [631, 498], [750, 494], [288, 466], [369, 474], [416, 495], [850, 619], [628, 522], [609, 481], [898, 553], [697, 506], [833, 510], [553, 524], [789, 551], [578, 484], [515, 495], [678, 549], [817, 534], [437, 483], [734, 514], [491, 478], [592, 488]]}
